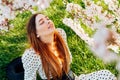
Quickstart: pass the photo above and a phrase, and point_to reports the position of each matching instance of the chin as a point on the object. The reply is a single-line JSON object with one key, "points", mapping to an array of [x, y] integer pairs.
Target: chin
{"points": [[52, 31]]}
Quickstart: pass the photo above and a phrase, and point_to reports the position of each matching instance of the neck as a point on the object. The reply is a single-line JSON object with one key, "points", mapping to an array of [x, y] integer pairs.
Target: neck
{"points": [[48, 39]]}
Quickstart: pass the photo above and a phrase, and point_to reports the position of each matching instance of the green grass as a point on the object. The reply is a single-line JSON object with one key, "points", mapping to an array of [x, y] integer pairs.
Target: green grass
{"points": [[14, 42]]}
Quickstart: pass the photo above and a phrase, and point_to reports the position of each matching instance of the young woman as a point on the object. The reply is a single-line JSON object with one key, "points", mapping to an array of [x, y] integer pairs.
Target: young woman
{"points": [[48, 55]]}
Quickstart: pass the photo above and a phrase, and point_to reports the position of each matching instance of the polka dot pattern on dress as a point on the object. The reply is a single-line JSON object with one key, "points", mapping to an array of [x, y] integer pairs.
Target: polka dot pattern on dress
{"points": [[98, 75]]}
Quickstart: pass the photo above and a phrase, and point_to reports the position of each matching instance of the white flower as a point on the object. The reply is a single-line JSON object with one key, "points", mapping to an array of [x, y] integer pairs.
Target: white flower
{"points": [[32, 2], [75, 26], [43, 4], [69, 7], [107, 1], [8, 10], [0, 1], [92, 10], [115, 48], [74, 9]]}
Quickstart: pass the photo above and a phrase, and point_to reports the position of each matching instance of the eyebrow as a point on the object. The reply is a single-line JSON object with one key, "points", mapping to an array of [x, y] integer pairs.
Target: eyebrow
{"points": [[45, 16], [42, 18]]}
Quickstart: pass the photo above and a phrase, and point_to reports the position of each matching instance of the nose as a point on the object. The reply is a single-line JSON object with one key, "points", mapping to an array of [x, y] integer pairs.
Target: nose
{"points": [[48, 22]]}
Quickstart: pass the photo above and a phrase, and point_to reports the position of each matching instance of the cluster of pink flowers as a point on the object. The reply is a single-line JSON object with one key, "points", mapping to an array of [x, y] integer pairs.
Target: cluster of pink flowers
{"points": [[105, 43], [8, 9]]}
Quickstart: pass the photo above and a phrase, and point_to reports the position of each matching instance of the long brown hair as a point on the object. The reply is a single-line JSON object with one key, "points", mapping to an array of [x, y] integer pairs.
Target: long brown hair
{"points": [[50, 63]]}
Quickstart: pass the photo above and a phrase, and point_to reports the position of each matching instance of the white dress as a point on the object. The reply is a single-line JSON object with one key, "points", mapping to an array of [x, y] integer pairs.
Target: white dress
{"points": [[32, 65]]}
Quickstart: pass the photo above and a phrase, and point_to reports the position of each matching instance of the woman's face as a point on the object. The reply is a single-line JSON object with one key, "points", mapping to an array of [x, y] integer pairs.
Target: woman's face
{"points": [[44, 26]]}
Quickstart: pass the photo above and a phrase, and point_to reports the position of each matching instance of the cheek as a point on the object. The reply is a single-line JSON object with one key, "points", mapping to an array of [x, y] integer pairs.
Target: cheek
{"points": [[41, 30], [41, 27]]}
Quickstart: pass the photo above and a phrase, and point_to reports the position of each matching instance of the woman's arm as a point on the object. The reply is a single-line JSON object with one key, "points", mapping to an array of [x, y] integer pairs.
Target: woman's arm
{"points": [[31, 62]]}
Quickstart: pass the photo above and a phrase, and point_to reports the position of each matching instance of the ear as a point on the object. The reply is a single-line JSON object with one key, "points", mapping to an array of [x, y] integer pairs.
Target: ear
{"points": [[38, 36]]}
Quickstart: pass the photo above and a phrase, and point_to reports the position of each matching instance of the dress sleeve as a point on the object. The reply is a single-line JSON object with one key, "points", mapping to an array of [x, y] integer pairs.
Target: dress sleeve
{"points": [[31, 63], [98, 75], [63, 34]]}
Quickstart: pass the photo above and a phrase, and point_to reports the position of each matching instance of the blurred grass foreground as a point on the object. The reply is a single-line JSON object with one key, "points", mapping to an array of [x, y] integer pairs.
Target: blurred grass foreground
{"points": [[14, 42]]}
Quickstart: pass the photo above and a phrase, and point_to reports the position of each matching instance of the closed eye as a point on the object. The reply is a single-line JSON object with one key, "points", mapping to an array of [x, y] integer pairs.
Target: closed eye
{"points": [[41, 22]]}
